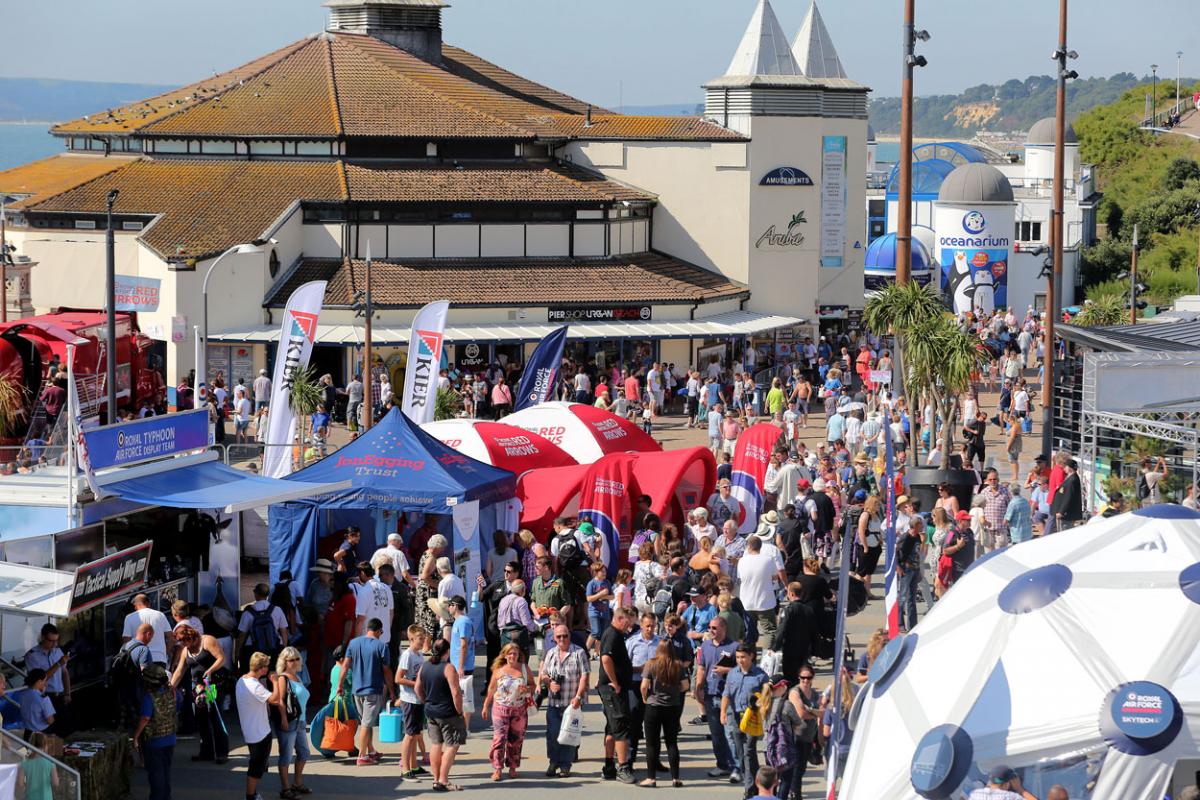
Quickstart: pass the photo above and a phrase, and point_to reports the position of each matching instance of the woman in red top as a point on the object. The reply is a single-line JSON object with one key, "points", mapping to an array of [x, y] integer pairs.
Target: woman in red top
{"points": [[339, 622]]}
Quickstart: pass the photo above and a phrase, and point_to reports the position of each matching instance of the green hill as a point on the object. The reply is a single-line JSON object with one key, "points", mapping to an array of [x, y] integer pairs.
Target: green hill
{"points": [[1011, 106]]}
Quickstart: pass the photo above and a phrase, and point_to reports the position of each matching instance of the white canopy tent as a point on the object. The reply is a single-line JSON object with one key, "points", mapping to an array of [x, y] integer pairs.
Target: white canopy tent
{"points": [[1073, 659]]}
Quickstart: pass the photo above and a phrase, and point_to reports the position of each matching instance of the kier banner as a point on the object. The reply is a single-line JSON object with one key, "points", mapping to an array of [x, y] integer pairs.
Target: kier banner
{"points": [[606, 499], [750, 459], [296, 339], [424, 359]]}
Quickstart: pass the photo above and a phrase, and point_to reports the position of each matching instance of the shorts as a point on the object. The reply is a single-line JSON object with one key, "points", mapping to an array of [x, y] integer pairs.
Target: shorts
{"points": [[616, 712], [802, 406], [451, 731], [259, 405], [240, 426], [598, 621], [293, 744], [658, 398], [729, 445], [369, 706], [414, 718], [260, 754], [714, 442]]}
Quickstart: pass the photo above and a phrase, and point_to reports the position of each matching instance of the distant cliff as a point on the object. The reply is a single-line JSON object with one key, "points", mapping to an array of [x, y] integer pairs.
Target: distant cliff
{"points": [[49, 100], [1011, 106]]}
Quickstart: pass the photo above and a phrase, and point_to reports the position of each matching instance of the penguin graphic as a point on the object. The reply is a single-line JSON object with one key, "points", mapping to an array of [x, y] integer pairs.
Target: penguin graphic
{"points": [[959, 286], [984, 297]]}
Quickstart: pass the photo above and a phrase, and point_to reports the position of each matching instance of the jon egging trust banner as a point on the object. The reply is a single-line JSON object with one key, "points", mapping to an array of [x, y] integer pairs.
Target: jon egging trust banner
{"points": [[424, 361], [297, 334]]}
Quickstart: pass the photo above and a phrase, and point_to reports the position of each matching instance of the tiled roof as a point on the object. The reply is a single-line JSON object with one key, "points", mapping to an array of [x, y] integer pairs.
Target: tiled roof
{"points": [[620, 126], [347, 85], [643, 278], [54, 175], [205, 206], [557, 184], [136, 116]]}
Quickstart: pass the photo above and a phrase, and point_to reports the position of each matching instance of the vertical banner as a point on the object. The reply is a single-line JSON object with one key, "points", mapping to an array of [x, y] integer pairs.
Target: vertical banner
{"points": [[82, 458], [750, 459], [424, 358], [839, 658], [468, 562], [890, 606], [606, 500], [833, 200], [296, 338], [537, 381]]}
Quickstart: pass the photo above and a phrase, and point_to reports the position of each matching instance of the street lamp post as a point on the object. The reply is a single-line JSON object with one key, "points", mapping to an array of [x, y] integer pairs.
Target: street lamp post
{"points": [[110, 295], [257, 246], [1154, 95], [1178, 66], [904, 206]]}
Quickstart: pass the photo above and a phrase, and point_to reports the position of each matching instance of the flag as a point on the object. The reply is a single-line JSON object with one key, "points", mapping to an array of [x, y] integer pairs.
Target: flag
{"points": [[606, 500], [890, 590], [424, 357], [839, 659], [537, 381], [200, 395], [297, 335], [750, 459]]}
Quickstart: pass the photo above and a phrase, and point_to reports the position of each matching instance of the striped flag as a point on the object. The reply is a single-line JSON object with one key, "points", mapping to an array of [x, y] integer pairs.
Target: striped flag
{"points": [[890, 590], [839, 658]]}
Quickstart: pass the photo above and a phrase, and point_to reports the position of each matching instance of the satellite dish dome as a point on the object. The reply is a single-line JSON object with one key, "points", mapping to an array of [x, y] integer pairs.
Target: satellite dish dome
{"points": [[1042, 133], [926, 236], [975, 183]]}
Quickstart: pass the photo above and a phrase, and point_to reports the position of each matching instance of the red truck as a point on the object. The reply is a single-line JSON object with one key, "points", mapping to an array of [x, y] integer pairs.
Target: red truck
{"points": [[27, 346]]}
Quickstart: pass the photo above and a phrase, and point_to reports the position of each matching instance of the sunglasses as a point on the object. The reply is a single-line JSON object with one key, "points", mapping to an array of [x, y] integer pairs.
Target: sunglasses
{"points": [[561, 636], [292, 660], [806, 677]]}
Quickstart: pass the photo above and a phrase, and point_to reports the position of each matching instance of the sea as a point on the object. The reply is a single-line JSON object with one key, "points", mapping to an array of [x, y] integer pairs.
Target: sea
{"points": [[22, 142]]}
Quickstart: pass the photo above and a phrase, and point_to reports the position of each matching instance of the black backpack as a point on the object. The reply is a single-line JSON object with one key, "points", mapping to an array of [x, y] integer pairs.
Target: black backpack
{"points": [[263, 634], [570, 554], [1143, 487], [125, 672]]}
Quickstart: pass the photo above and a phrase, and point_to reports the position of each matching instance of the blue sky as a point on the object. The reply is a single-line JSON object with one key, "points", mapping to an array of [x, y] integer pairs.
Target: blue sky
{"points": [[641, 51]]}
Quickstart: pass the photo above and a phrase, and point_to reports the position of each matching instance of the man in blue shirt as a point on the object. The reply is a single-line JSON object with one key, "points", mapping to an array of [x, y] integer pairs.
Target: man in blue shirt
{"points": [[698, 614], [158, 716], [713, 663], [462, 641], [742, 686], [366, 662], [1018, 515], [641, 647]]}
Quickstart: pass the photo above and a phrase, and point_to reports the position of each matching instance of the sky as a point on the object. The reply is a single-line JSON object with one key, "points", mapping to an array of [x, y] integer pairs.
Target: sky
{"points": [[609, 52]]}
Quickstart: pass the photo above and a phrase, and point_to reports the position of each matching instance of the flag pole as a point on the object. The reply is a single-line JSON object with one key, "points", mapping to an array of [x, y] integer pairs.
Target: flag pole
{"points": [[367, 400], [839, 657], [72, 432]]}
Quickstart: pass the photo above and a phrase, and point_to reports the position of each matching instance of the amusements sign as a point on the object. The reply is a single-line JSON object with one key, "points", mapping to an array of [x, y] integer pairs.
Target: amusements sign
{"points": [[110, 576], [833, 200]]}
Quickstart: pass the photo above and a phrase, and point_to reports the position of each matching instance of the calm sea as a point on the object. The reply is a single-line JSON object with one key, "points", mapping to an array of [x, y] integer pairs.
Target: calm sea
{"points": [[22, 142]]}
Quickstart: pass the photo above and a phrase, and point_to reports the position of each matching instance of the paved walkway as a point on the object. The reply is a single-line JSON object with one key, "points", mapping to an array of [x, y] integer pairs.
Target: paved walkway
{"points": [[341, 780]]}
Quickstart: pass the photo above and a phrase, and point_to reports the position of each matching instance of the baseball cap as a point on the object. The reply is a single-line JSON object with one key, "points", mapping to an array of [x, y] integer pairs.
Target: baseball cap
{"points": [[778, 680], [961, 515], [1002, 773], [587, 528], [803, 483], [793, 454], [693, 592], [859, 495]]}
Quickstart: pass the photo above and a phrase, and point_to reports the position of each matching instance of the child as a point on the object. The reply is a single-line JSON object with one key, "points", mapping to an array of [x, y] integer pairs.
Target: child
{"points": [[621, 406], [790, 418], [414, 711], [647, 418], [38, 776], [449, 586], [622, 593], [599, 594]]}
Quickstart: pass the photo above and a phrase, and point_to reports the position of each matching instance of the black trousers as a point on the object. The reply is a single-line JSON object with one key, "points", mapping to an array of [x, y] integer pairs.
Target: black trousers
{"points": [[637, 711], [214, 738], [662, 723]]}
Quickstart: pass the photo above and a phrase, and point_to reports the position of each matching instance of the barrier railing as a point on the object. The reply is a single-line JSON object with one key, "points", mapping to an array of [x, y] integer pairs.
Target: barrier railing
{"points": [[39, 774]]}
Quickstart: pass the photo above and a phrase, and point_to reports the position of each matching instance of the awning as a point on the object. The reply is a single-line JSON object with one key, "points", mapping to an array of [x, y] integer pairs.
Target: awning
{"points": [[27, 522], [211, 484], [732, 323], [30, 590]]}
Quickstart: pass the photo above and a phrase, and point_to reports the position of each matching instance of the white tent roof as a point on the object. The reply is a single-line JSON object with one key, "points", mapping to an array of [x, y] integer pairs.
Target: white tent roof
{"points": [[764, 49], [732, 323], [1031, 661], [813, 49]]}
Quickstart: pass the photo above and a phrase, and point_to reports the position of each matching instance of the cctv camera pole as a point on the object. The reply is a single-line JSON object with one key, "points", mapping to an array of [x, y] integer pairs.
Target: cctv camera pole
{"points": [[110, 284], [1054, 293], [1133, 279], [904, 206]]}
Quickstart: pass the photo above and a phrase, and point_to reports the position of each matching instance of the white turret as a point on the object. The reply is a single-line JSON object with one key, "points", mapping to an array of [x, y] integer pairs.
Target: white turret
{"points": [[814, 50]]}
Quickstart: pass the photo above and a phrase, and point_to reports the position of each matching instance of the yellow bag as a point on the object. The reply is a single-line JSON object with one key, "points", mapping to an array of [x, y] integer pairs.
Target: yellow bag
{"points": [[751, 723]]}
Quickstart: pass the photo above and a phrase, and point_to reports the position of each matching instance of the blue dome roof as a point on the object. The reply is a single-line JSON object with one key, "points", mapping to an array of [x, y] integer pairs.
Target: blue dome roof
{"points": [[881, 254], [931, 164]]}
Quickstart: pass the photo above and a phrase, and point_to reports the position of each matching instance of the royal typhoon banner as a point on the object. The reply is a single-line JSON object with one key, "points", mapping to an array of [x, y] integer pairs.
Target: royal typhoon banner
{"points": [[537, 381], [297, 335], [424, 358]]}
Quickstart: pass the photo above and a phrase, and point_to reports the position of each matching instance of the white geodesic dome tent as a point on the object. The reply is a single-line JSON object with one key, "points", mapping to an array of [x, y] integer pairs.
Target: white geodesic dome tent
{"points": [[1073, 659]]}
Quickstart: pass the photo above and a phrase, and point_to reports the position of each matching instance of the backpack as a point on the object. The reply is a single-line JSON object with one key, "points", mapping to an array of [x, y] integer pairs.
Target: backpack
{"points": [[125, 672], [570, 554], [291, 705], [1143, 487], [662, 602], [780, 748], [162, 723], [263, 634]]}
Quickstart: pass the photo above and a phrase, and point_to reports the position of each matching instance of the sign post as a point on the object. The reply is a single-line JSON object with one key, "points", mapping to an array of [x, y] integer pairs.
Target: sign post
{"points": [[110, 576]]}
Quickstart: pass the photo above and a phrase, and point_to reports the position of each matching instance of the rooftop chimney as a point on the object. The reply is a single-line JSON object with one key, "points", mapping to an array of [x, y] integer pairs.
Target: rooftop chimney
{"points": [[414, 26]]}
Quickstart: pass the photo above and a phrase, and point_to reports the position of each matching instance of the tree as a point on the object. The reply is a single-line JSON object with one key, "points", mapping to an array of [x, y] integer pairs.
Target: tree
{"points": [[1107, 309], [306, 396], [447, 405], [898, 308], [1180, 171], [941, 361], [14, 405]]}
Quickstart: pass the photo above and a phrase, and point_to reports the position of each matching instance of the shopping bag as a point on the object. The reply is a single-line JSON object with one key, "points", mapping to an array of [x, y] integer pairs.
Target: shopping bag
{"points": [[571, 732], [751, 723], [467, 685], [339, 729], [772, 662]]}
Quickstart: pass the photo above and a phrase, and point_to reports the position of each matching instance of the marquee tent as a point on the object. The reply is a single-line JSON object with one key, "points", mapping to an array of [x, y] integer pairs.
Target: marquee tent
{"points": [[500, 445], [393, 467], [583, 431], [547, 494], [1074, 659]]}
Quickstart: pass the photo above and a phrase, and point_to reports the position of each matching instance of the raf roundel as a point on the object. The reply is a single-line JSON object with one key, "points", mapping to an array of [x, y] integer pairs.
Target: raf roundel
{"points": [[1035, 589]]}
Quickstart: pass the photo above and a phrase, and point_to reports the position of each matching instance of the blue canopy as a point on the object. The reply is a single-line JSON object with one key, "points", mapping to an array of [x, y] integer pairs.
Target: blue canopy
{"points": [[397, 465], [208, 484], [881, 254]]}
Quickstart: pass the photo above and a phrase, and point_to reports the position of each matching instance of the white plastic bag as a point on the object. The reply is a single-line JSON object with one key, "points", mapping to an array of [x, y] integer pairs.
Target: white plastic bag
{"points": [[571, 732], [467, 685], [772, 662]]}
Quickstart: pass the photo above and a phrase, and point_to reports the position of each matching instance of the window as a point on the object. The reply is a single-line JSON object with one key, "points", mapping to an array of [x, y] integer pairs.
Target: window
{"points": [[1029, 231], [85, 225], [131, 226], [273, 263]]}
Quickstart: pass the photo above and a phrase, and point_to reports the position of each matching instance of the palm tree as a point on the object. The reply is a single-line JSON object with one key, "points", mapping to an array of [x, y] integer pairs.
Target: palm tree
{"points": [[447, 405], [899, 308], [305, 397], [1107, 309], [14, 404], [941, 360]]}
